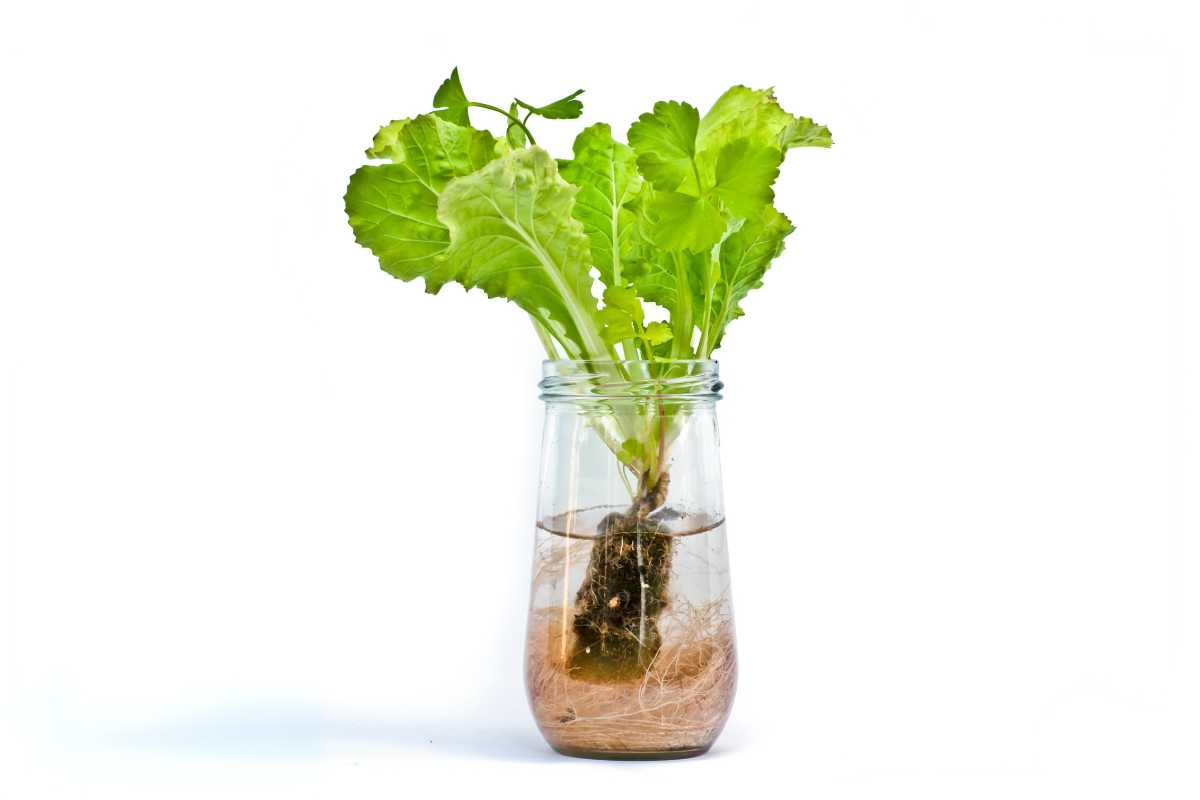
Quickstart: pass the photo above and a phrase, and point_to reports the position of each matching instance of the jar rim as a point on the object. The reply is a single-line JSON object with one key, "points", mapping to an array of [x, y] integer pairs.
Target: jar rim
{"points": [[705, 361], [681, 379]]}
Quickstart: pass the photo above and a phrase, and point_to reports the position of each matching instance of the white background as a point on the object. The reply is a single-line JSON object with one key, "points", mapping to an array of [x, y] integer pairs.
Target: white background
{"points": [[266, 512]]}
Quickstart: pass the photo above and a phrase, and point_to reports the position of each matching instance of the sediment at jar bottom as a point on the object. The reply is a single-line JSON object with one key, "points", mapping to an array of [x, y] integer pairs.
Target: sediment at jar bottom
{"points": [[678, 704], [620, 599]]}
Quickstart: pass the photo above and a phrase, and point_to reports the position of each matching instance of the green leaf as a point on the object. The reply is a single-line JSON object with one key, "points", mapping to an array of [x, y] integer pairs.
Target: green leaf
{"points": [[606, 173], [657, 280], [513, 236], [393, 207], [625, 299], [564, 108], [666, 280], [744, 113], [657, 333], [677, 221], [451, 100], [730, 165], [744, 174], [665, 143], [744, 258], [753, 114], [712, 183], [395, 216], [386, 143], [438, 151], [803, 132], [617, 326]]}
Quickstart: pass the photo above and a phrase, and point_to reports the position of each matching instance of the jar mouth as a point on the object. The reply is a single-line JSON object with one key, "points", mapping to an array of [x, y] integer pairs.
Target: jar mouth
{"points": [[691, 380], [705, 362]]}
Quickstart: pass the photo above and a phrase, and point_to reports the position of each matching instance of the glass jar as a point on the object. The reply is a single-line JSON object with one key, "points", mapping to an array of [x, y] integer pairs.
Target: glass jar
{"points": [[630, 648]]}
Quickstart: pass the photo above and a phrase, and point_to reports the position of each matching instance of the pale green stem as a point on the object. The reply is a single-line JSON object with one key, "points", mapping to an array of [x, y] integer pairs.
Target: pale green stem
{"points": [[546, 338], [682, 343]]}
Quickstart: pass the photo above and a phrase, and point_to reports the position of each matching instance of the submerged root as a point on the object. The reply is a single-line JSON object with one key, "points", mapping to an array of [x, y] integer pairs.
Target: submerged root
{"points": [[680, 702], [624, 591], [620, 599]]}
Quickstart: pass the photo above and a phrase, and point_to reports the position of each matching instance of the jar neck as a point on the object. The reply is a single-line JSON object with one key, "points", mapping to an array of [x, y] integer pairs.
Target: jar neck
{"points": [[680, 380]]}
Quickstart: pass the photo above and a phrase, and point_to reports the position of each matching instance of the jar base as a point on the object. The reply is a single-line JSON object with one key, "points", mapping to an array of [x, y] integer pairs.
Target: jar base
{"points": [[631, 755]]}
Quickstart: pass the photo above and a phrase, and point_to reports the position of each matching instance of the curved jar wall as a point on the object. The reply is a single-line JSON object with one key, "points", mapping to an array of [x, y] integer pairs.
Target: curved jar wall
{"points": [[630, 650]]}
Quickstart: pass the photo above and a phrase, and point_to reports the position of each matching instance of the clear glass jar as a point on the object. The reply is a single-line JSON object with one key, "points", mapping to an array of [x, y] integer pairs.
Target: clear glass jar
{"points": [[630, 649]]}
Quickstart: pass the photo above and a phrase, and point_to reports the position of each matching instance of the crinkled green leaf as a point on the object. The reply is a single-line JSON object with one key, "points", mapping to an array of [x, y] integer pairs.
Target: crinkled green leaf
{"points": [[513, 236], [665, 143], [740, 112], [393, 207], [386, 143], [657, 333], [438, 151], [564, 108], [749, 113], [616, 325], [657, 280], [667, 280], [744, 258], [677, 221], [803, 132], [728, 164], [739, 148], [395, 215], [606, 173], [625, 299], [451, 100], [744, 174]]}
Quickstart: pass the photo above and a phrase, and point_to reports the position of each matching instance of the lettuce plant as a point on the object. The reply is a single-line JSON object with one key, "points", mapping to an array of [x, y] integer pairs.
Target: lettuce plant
{"points": [[681, 217], [678, 220]]}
